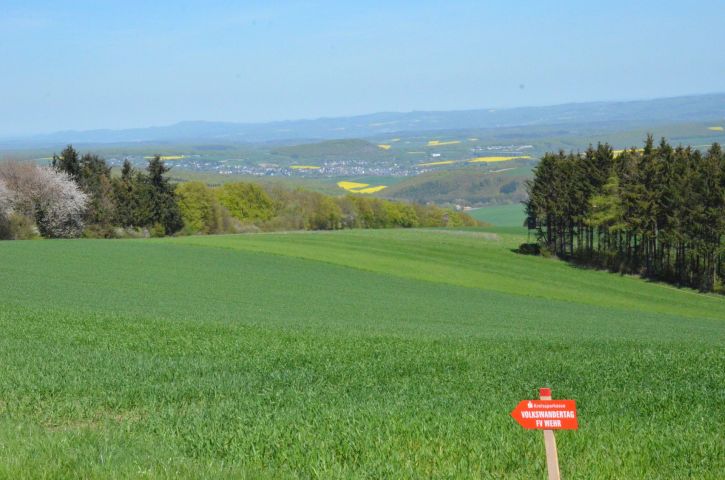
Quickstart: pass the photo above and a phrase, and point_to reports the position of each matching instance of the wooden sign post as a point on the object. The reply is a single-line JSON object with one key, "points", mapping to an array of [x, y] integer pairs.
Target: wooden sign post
{"points": [[552, 456], [547, 415]]}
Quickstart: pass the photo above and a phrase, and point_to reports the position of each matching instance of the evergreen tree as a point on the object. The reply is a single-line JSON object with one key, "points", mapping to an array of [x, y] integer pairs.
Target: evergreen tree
{"points": [[658, 211], [160, 199], [125, 193], [69, 162], [93, 176]]}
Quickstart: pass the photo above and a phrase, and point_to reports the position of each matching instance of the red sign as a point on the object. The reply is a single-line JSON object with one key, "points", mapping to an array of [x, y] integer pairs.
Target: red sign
{"points": [[546, 414]]}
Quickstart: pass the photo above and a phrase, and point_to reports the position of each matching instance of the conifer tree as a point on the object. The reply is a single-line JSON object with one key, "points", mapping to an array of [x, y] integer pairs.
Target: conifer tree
{"points": [[658, 211]]}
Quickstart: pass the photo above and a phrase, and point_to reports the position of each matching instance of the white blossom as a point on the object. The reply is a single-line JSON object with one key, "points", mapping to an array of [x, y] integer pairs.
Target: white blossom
{"points": [[48, 196], [6, 200]]}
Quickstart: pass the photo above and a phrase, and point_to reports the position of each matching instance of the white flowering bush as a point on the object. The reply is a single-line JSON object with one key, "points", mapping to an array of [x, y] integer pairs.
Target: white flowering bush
{"points": [[49, 197], [5, 204], [59, 205], [5, 200]]}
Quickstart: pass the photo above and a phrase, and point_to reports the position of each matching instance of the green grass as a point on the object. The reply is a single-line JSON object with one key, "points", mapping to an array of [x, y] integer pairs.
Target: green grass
{"points": [[511, 215], [362, 354]]}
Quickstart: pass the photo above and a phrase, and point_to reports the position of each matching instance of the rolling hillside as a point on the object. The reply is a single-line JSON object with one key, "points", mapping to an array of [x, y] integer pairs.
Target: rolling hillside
{"points": [[331, 150], [511, 215], [353, 354], [467, 186]]}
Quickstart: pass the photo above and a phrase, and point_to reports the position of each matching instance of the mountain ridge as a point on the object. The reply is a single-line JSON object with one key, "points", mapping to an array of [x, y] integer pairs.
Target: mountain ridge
{"points": [[631, 113]]}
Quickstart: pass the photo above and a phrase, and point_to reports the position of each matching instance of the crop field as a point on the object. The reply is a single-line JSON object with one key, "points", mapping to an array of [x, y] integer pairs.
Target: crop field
{"points": [[434, 164], [355, 354], [304, 167], [167, 158], [488, 159], [357, 187], [511, 215], [493, 159]]}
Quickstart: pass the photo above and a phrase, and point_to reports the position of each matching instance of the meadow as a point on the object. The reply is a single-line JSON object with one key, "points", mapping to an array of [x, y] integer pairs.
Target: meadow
{"points": [[352, 354], [510, 215]]}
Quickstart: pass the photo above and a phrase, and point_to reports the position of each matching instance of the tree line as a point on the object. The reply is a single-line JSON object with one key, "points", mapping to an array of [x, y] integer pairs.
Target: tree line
{"points": [[78, 196], [658, 211]]}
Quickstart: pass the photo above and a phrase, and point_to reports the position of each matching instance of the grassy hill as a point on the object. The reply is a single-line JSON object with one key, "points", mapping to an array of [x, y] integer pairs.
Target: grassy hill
{"points": [[332, 150], [467, 185], [511, 215], [356, 354]]}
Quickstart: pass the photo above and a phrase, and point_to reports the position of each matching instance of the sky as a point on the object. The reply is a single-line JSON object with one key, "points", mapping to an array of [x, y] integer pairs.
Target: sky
{"points": [[79, 65]]}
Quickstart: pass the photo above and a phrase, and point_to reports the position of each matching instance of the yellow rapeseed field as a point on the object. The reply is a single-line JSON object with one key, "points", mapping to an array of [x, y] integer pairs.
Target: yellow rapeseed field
{"points": [[497, 159], [369, 189], [384, 146], [355, 187], [433, 164], [167, 157], [617, 153], [352, 185], [304, 167], [438, 143], [716, 128]]}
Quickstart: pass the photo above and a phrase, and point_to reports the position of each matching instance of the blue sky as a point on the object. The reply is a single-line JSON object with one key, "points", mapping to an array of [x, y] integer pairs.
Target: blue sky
{"points": [[113, 64]]}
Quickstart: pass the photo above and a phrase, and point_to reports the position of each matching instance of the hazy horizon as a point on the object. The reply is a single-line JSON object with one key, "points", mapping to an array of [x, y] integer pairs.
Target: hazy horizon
{"points": [[362, 114], [80, 66]]}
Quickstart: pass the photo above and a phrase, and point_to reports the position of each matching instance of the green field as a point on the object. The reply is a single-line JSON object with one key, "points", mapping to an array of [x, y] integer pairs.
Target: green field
{"points": [[511, 215], [356, 354]]}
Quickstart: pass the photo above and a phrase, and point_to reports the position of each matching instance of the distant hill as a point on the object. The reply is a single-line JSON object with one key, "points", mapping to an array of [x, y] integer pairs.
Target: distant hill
{"points": [[330, 150], [469, 186], [630, 114]]}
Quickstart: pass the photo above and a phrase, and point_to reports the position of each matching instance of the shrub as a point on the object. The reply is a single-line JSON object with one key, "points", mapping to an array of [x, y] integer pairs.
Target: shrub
{"points": [[246, 202], [200, 209], [529, 249], [460, 219], [325, 214], [5, 210], [348, 211], [22, 227], [157, 230], [97, 230], [59, 205], [49, 197]]}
